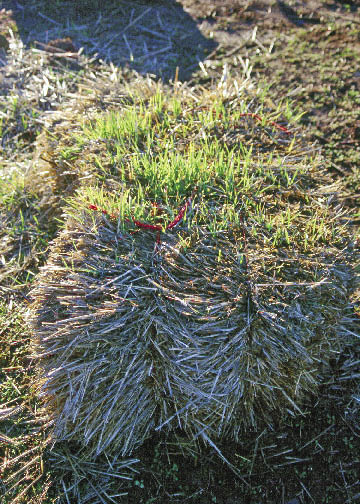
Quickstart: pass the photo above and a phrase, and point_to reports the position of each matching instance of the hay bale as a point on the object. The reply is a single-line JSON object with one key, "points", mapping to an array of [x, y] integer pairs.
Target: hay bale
{"points": [[133, 340], [219, 323]]}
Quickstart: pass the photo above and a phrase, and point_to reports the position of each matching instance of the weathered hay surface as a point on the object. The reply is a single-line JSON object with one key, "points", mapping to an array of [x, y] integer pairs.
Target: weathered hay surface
{"points": [[132, 341]]}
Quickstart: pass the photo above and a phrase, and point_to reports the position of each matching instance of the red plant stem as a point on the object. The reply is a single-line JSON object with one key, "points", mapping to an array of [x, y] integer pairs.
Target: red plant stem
{"points": [[250, 114], [259, 118], [181, 213], [151, 227], [144, 225], [105, 212]]}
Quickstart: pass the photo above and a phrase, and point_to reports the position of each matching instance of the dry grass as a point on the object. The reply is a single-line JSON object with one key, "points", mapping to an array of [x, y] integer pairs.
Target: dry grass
{"points": [[254, 292]]}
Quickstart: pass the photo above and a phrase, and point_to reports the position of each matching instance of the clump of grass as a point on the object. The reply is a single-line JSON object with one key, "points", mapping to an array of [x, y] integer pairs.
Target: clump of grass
{"points": [[214, 325]]}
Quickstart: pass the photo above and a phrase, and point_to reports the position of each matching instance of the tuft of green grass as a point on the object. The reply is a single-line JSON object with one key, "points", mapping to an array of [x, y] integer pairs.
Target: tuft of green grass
{"points": [[156, 153]]}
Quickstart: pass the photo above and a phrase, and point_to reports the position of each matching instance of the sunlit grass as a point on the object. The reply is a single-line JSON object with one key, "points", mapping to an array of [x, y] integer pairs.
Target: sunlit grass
{"points": [[162, 151]]}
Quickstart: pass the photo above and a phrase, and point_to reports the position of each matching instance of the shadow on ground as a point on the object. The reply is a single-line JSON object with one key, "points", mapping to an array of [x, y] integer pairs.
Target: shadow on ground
{"points": [[152, 37]]}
